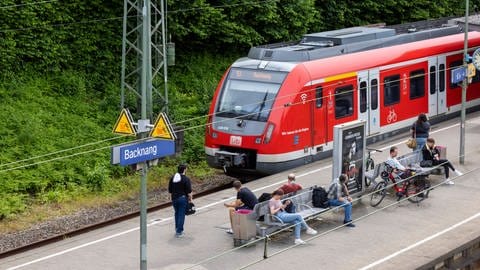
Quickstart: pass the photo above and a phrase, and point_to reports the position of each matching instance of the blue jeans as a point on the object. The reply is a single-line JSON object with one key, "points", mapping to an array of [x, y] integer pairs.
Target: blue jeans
{"points": [[346, 205], [420, 143], [291, 218], [180, 207]]}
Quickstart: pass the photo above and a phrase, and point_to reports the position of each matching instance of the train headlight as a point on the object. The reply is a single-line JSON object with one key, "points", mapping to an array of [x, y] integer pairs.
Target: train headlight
{"points": [[269, 132]]}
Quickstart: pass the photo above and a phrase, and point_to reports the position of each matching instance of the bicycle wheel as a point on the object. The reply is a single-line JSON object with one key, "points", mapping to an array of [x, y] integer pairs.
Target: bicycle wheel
{"points": [[369, 165], [416, 192], [378, 193]]}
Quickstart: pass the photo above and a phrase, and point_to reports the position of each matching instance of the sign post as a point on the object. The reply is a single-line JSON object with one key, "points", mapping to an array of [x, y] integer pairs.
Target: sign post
{"points": [[349, 153], [464, 89]]}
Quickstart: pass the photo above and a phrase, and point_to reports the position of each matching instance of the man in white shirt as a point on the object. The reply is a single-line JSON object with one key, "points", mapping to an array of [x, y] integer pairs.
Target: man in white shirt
{"points": [[398, 168]]}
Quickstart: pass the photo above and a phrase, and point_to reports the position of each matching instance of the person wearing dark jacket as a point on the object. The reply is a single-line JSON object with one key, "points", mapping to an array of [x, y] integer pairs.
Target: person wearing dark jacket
{"points": [[420, 131], [180, 189], [245, 200], [431, 157]]}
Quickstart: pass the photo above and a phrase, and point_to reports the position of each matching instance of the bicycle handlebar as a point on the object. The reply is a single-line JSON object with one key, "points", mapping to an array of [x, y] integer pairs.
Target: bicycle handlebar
{"points": [[375, 150]]}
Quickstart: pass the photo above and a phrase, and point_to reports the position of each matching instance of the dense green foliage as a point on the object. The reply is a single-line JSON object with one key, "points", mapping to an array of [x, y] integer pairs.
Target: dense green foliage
{"points": [[60, 69]]}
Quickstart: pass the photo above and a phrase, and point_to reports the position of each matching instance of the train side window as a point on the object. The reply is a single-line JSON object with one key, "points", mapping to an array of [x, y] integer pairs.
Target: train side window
{"points": [[417, 84], [319, 97], [374, 94], [441, 77], [454, 65], [433, 81], [343, 101], [363, 97], [391, 88]]}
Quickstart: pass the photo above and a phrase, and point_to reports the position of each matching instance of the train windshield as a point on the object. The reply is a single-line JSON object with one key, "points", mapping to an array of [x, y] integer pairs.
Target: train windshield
{"points": [[249, 94]]}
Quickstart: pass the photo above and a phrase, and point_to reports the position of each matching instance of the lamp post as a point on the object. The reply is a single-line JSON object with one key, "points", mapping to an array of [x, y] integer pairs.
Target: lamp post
{"points": [[464, 89]]}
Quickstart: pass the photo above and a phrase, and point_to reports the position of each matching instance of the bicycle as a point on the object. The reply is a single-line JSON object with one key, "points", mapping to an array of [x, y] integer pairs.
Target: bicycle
{"points": [[415, 189], [370, 164]]}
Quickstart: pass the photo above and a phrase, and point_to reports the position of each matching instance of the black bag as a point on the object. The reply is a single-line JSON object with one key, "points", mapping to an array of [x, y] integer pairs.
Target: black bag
{"points": [[264, 197], [290, 208], [426, 163], [190, 209], [320, 197]]}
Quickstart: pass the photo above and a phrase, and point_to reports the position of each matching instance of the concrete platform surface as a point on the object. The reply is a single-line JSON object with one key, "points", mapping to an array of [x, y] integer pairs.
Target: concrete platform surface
{"points": [[390, 236]]}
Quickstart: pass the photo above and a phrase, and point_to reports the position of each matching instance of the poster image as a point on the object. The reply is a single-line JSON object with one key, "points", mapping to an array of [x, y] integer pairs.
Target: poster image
{"points": [[352, 157]]}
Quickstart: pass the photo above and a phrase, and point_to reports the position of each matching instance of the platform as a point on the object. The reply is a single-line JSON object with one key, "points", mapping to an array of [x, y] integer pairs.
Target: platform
{"points": [[401, 236]]}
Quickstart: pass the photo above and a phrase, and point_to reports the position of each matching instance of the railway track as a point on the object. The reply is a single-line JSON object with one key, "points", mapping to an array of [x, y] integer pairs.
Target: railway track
{"points": [[98, 225]]}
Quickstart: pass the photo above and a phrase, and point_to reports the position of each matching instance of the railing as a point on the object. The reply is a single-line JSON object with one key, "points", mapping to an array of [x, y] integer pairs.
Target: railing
{"points": [[467, 257]]}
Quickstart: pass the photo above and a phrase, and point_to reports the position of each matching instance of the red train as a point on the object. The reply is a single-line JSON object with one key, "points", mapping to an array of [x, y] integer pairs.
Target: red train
{"points": [[276, 108]]}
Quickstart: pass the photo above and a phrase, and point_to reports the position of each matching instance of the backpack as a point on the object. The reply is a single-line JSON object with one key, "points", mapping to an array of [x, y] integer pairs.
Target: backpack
{"points": [[320, 197], [264, 197]]}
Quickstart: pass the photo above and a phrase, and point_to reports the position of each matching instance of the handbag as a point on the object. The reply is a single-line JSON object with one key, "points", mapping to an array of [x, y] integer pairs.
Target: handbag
{"points": [[426, 163], [190, 209], [412, 142]]}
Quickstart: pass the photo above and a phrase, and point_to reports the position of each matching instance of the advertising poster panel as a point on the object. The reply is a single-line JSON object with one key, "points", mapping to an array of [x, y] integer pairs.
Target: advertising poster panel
{"points": [[349, 152]]}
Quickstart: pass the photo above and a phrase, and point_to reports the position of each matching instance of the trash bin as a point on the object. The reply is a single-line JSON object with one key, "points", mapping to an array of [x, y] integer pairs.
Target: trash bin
{"points": [[244, 228]]}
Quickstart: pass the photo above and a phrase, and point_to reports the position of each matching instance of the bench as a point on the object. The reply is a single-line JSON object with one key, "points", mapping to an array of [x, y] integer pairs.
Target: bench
{"points": [[411, 160], [271, 223]]}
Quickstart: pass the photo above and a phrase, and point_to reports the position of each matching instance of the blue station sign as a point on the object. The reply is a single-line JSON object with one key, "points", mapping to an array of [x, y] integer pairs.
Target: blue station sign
{"points": [[134, 153], [458, 74]]}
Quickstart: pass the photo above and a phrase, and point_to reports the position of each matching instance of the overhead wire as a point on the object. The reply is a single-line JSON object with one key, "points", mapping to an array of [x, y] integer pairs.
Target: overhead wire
{"points": [[198, 117], [301, 102], [222, 6], [332, 209], [115, 18], [28, 4], [63, 24], [60, 151]]}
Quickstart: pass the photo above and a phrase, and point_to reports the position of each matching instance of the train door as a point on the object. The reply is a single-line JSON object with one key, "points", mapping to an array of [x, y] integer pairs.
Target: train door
{"points": [[342, 99], [368, 108], [437, 97], [319, 122]]}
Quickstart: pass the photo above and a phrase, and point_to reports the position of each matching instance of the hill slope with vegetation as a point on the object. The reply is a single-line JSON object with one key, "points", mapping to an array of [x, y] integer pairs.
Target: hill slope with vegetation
{"points": [[60, 78]]}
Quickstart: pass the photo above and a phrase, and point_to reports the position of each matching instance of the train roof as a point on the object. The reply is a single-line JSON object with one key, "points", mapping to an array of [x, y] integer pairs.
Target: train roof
{"points": [[344, 41], [388, 56]]}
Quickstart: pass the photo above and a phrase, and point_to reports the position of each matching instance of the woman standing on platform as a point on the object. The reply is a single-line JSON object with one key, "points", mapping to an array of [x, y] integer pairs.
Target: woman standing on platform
{"points": [[420, 131], [180, 189]]}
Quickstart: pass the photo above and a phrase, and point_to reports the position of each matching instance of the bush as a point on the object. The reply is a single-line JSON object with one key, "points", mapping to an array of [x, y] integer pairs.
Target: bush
{"points": [[11, 204]]}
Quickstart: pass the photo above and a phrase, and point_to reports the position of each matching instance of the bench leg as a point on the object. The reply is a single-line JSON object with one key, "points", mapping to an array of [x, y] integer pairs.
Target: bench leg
{"points": [[265, 245]]}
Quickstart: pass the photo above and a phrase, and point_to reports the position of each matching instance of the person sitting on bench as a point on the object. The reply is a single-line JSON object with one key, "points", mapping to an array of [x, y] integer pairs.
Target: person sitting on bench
{"points": [[431, 157], [338, 196], [277, 208], [291, 185], [245, 200], [398, 168]]}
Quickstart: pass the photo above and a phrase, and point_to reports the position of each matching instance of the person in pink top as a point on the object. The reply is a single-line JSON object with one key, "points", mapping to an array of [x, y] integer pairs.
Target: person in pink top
{"points": [[277, 208]]}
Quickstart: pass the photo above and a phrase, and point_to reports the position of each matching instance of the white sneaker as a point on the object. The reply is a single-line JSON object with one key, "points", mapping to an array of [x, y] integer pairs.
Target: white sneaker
{"points": [[449, 182], [299, 242], [229, 231], [459, 173], [311, 231]]}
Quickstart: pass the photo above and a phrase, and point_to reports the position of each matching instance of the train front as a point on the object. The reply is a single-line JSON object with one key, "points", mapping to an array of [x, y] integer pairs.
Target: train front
{"points": [[241, 121]]}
